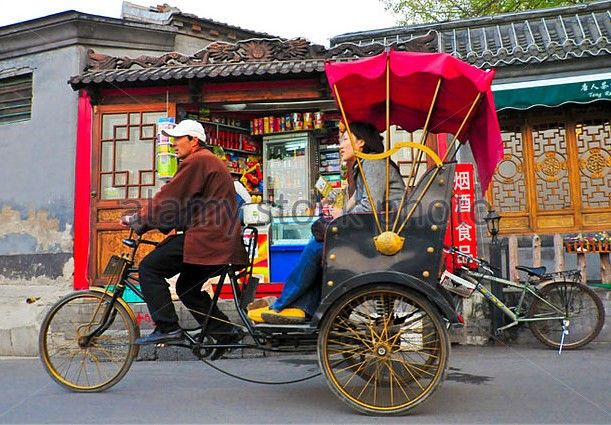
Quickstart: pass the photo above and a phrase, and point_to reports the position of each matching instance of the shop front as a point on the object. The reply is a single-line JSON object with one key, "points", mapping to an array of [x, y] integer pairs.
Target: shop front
{"points": [[267, 111]]}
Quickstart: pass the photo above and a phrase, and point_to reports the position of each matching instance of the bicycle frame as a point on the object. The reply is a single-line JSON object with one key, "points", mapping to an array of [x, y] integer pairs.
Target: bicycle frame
{"points": [[129, 280], [516, 315]]}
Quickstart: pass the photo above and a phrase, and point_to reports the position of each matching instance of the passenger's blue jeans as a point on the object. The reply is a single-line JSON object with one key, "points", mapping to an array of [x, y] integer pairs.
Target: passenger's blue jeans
{"points": [[302, 287]]}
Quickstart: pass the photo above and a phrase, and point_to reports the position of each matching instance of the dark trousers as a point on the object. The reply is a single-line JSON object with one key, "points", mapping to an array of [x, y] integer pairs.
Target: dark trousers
{"points": [[164, 262]]}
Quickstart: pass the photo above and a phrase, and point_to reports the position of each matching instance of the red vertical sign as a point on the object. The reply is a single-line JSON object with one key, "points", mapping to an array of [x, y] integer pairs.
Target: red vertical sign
{"points": [[461, 232]]}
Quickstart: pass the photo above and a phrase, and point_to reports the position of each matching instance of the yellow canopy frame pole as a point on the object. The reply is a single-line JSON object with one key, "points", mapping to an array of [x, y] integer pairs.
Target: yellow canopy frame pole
{"points": [[425, 131], [479, 95], [436, 172], [358, 160], [387, 137]]}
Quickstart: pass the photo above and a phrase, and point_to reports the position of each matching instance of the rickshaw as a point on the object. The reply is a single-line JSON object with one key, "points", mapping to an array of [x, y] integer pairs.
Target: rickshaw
{"points": [[381, 329]]}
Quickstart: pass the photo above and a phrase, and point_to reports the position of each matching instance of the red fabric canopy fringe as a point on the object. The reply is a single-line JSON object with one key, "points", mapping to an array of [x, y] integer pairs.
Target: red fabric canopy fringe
{"points": [[413, 78]]}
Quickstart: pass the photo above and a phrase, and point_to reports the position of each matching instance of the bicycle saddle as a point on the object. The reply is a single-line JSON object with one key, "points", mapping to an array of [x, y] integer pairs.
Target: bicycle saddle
{"points": [[533, 271]]}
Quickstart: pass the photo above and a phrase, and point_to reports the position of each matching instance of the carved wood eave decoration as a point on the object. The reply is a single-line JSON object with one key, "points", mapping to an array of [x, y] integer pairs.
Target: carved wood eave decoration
{"points": [[257, 50]]}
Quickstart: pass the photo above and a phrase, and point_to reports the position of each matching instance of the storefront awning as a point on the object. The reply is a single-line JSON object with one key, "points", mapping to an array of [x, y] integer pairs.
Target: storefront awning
{"points": [[552, 92]]}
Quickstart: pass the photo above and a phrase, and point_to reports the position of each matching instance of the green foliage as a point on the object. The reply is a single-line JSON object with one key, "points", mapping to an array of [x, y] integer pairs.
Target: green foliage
{"points": [[424, 11]]}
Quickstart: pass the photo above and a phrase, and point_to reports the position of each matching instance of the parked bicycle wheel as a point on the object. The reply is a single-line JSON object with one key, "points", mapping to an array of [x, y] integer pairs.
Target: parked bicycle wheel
{"points": [[583, 311], [83, 345], [383, 350]]}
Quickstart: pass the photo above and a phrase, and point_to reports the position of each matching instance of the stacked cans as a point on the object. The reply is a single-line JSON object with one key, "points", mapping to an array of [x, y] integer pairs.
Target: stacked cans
{"points": [[294, 121]]}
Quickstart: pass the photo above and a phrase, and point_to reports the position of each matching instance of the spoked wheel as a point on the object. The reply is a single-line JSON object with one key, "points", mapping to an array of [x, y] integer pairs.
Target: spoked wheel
{"points": [[582, 313], [383, 350], [82, 351]]}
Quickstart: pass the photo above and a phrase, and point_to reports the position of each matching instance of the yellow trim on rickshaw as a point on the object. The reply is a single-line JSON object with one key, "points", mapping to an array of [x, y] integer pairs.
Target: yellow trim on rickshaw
{"points": [[430, 152]]}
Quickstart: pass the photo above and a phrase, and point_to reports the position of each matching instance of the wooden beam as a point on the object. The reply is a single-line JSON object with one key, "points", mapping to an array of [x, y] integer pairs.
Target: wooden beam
{"points": [[536, 251], [513, 258], [252, 91], [605, 268], [581, 263], [558, 253]]}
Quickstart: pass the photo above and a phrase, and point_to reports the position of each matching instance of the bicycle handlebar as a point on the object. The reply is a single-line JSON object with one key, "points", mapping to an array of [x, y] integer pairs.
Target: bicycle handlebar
{"points": [[479, 261], [136, 243]]}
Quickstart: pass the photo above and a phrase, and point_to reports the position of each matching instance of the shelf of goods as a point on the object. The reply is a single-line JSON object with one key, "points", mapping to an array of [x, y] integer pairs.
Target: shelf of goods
{"points": [[330, 161], [239, 149]]}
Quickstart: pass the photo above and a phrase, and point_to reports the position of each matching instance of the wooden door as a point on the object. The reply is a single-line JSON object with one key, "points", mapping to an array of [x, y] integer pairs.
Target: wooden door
{"points": [[124, 174]]}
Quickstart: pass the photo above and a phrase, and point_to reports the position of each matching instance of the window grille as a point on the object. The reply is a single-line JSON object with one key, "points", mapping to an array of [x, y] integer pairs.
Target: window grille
{"points": [[15, 98]]}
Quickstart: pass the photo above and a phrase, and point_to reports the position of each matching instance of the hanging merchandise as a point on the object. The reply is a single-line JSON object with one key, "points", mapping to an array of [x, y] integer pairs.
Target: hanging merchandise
{"points": [[252, 177], [167, 162]]}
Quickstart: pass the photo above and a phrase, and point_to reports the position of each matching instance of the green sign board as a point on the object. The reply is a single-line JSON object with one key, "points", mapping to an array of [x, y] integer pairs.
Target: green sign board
{"points": [[553, 95]]}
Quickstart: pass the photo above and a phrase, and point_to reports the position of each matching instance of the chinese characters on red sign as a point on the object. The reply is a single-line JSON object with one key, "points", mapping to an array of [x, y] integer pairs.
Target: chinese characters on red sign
{"points": [[461, 231]]}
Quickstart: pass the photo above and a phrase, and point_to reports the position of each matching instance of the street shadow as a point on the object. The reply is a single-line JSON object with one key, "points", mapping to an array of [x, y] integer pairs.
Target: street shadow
{"points": [[466, 378]]}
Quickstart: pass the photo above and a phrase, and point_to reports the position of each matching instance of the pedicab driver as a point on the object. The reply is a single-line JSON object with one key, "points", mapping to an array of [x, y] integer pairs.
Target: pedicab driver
{"points": [[199, 202]]}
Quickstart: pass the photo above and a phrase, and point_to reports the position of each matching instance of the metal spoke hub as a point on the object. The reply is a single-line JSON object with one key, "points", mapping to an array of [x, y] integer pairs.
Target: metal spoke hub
{"points": [[382, 350]]}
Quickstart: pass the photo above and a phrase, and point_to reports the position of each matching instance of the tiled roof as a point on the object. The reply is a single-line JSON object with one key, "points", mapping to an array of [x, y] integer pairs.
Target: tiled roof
{"points": [[221, 70], [255, 57], [529, 37]]}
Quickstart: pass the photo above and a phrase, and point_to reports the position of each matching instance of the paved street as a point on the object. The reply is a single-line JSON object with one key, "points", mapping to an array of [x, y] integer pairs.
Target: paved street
{"points": [[485, 385]]}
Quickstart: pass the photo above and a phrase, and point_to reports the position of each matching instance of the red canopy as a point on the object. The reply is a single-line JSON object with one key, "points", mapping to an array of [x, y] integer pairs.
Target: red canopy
{"points": [[361, 85]]}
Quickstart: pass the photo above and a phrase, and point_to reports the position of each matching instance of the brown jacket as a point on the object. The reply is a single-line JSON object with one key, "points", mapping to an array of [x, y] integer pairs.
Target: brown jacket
{"points": [[200, 200]]}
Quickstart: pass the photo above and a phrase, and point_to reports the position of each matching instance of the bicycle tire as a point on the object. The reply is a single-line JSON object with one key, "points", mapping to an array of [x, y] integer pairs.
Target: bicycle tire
{"points": [[105, 359], [582, 308], [400, 354]]}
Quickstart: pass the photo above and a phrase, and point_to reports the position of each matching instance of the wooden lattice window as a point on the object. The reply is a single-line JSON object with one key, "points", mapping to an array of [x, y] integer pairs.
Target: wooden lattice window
{"points": [[552, 187], [411, 162], [556, 172], [594, 155], [509, 190], [127, 155]]}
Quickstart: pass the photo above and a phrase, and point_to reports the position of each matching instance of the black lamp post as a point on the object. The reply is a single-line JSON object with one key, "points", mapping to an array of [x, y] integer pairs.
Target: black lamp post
{"points": [[492, 220]]}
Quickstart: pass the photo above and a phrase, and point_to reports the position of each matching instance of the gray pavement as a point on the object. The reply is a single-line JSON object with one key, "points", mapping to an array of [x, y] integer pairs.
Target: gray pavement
{"points": [[500, 385]]}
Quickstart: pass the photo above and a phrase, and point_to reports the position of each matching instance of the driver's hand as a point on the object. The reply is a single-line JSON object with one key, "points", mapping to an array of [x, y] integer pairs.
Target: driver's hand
{"points": [[132, 221], [128, 220]]}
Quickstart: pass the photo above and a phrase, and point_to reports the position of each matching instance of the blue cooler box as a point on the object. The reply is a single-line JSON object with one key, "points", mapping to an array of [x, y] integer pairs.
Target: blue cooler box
{"points": [[289, 235], [284, 257]]}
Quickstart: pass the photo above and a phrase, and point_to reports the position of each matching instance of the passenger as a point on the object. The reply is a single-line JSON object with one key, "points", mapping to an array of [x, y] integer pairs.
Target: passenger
{"points": [[200, 203], [301, 293]]}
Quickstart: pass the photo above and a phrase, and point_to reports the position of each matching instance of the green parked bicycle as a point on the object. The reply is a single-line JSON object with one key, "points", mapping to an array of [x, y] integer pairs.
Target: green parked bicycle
{"points": [[561, 312]]}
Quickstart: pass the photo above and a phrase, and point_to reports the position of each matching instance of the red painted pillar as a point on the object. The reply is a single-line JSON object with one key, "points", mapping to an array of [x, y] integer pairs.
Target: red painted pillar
{"points": [[82, 190]]}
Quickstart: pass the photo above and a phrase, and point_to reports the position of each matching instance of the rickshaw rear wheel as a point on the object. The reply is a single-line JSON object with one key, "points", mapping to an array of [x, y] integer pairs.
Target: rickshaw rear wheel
{"points": [[383, 349]]}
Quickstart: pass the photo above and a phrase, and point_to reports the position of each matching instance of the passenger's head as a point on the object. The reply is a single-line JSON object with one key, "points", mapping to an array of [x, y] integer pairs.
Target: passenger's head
{"points": [[366, 140]]}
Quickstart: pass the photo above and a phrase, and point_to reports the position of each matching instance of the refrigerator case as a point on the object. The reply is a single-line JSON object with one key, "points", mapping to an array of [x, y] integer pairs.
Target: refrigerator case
{"points": [[289, 170]]}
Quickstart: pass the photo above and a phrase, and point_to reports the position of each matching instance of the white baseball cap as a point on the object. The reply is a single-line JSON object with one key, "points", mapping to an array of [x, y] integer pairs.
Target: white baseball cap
{"points": [[187, 128]]}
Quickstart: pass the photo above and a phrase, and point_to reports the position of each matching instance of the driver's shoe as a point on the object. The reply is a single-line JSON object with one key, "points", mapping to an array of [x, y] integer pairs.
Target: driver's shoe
{"points": [[160, 337], [286, 316], [232, 336]]}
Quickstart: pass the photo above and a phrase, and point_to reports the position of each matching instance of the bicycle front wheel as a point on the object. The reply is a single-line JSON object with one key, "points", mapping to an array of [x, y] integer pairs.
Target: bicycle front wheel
{"points": [[85, 344], [581, 310]]}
